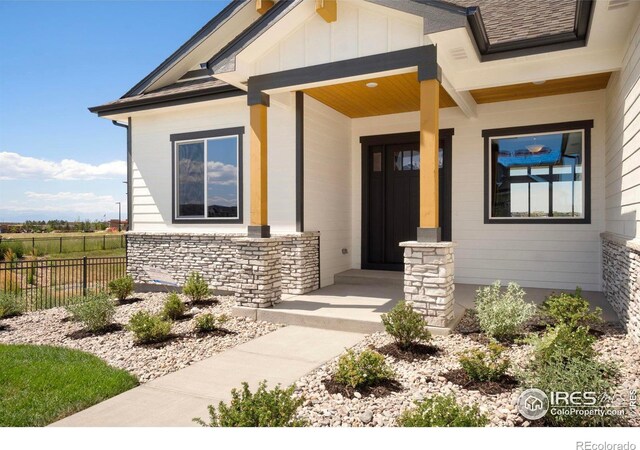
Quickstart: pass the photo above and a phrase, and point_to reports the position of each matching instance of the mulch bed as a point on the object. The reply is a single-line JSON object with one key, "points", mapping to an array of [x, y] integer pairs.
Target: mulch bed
{"points": [[504, 384], [411, 353], [81, 334], [205, 302], [381, 389], [216, 332], [129, 301]]}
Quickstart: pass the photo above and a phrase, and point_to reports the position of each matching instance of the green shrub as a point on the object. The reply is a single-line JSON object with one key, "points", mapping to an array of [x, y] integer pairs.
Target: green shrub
{"points": [[406, 325], [208, 322], [502, 314], [575, 375], [121, 288], [95, 311], [16, 247], [10, 305], [481, 365], [360, 370], [561, 343], [442, 411], [571, 309], [173, 307], [196, 288], [148, 327], [275, 408]]}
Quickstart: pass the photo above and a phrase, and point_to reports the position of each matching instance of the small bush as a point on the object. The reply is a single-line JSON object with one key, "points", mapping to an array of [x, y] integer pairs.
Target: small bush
{"points": [[442, 411], [571, 309], [489, 365], [173, 307], [95, 311], [10, 305], [406, 325], [148, 328], [196, 288], [208, 322], [15, 247], [275, 408], [502, 313], [561, 343], [121, 288], [575, 375], [360, 370]]}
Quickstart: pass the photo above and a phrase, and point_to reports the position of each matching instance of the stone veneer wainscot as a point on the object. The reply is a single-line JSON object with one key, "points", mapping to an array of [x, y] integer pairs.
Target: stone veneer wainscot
{"points": [[216, 257], [620, 276]]}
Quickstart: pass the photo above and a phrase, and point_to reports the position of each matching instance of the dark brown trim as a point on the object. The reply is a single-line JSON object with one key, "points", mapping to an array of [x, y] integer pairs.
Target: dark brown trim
{"points": [[425, 58], [585, 125], [173, 138], [164, 101], [129, 171], [300, 161], [522, 47], [400, 138]]}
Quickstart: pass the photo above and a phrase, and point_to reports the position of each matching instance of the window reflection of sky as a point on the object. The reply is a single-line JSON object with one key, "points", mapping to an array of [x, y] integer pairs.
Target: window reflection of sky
{"points": [[514, 152]]}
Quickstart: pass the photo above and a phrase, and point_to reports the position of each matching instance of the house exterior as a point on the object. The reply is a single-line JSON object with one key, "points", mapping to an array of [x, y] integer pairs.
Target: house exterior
{"points": [[288, 141]]}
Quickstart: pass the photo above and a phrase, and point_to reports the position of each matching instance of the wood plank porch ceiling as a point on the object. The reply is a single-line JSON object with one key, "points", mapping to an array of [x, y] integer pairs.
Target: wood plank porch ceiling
{"points": [[401, 93], [394, 94]]}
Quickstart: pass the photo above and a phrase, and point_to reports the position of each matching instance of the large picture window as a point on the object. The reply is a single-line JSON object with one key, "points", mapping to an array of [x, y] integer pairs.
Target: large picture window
{"points": [[208, 176], [538, 173]]}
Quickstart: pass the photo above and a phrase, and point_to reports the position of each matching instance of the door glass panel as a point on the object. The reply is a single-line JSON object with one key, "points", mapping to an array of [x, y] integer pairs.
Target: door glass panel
{"points": [[415, 160], [377, 162], [397, 160], [406, 160], [440, 158]]}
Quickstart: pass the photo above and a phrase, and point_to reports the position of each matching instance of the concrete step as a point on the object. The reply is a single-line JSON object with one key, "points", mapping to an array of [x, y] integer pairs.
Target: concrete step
{"points": [[368, 277]]}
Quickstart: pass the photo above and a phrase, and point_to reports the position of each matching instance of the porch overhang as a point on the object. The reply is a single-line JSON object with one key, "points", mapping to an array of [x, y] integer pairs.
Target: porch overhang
{"points": [[422, 60]]}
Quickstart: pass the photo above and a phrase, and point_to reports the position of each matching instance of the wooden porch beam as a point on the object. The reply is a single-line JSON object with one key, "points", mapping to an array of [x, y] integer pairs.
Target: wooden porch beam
{"points": [[327, 9], [258, 172], [262, 6], [429, 144]]}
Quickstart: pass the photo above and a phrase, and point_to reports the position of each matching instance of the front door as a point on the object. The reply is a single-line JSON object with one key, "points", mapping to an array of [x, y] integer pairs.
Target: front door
{"points": [[391, 196]]}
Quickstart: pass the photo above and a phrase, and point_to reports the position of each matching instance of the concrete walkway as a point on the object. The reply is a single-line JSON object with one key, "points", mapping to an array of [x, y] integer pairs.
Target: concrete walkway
{"points": [[173, 400]]}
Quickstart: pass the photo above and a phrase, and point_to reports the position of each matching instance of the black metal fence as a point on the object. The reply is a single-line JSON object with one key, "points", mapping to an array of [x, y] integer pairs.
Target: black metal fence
{"points": [[47, 283], [68, 244]]}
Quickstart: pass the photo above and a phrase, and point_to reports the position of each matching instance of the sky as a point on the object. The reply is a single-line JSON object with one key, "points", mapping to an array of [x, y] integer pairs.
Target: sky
{"points": [[57, 160]]}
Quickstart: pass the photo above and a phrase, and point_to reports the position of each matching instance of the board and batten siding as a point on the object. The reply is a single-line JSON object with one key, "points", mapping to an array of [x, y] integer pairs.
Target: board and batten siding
{"points": [[556, 256], [623, 143], [152, 172], [327, 185]]}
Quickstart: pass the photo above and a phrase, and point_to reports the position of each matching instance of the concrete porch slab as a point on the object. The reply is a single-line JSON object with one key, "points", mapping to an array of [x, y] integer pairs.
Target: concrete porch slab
{"points": [[359, 297]]}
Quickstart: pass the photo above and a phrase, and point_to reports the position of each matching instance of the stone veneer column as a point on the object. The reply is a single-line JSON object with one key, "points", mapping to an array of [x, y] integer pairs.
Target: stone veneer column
{"points": [[300, 262], [258, 272], [428, 280]]}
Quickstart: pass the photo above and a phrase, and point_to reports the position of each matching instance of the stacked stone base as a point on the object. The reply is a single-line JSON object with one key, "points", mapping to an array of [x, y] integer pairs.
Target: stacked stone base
{"points": [[259, 271], [428, 280], [621, 278]]}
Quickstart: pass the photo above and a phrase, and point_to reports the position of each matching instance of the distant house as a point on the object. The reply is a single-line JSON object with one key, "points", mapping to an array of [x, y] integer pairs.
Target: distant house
{"points": [[118, 224], [332, 131]]}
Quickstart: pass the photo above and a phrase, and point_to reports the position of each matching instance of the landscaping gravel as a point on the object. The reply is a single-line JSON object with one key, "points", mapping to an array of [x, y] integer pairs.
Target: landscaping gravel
{"points": [[52, 327], [424, 377]]}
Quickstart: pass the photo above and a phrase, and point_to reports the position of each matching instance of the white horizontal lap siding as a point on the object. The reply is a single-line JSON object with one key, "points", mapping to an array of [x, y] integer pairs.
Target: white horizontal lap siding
{"points": [[151, 151], [623, 143], [327, 185], [556, 256]]}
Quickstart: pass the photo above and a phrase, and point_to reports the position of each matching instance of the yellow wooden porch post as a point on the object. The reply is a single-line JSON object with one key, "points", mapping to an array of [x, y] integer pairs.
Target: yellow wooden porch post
{"points": [[429, 161], [258, 182]]}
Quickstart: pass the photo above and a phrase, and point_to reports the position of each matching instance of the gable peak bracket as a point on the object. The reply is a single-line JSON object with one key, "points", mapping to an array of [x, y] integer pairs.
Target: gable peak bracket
{"points": [[327, 9], [262, 6]]}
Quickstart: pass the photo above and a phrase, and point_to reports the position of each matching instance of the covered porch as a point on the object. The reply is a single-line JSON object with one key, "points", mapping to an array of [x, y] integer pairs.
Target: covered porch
{"points": [[358, 298]]}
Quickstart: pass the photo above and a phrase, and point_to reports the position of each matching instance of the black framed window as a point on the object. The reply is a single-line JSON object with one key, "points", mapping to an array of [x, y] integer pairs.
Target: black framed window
{"points": [[538, 174], [207, 176]]}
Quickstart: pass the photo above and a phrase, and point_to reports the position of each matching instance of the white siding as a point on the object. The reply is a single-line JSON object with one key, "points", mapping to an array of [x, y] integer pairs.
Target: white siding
{"points": [[548, 256], [152, 176], [327, 185], [361, 29], [623, 143]]}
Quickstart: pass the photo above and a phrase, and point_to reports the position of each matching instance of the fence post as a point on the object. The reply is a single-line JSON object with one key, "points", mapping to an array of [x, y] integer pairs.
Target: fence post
{"points": [[60, 244], [84, 243], [33, 242], [84, 276], [104, 242]]}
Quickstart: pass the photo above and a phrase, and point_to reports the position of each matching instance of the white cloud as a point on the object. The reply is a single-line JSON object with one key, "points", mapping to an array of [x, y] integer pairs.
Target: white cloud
{"points": [[15, 166], [64, 203]]}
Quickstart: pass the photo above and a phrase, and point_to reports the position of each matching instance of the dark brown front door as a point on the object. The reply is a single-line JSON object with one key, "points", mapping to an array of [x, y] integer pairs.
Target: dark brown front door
{"points": [[391, 196]]}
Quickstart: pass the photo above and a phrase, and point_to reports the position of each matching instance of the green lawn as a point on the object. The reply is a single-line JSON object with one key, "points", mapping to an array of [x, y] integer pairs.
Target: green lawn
{"points": [[42, 384]]}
